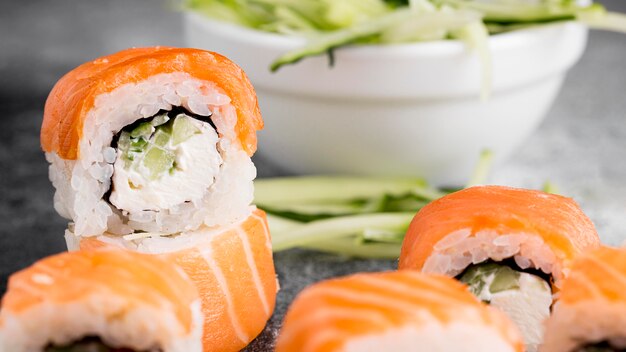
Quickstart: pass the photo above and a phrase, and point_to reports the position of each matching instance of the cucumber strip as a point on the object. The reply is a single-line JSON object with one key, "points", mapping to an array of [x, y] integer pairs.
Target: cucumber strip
{"points": [[330, 229], [287, 18], [341, 37], [429, 26], [380, 204], [409, 203], [497, 28], [476, 36], [331, 189], [428, 193], [244, 13], [309, 10], [550, 187], [494, 277], [421, 5], [376, 204], [518, 11], [316, 209], [312, 212], [280, 224], [346, 246], [345, 13], [598, 18], [302, 217], [482, 169], [380, 236], [402, 25]]}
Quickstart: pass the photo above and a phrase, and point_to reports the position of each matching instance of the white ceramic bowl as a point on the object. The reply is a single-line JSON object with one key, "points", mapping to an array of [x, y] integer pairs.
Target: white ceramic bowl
{"points": [[409, 109]]}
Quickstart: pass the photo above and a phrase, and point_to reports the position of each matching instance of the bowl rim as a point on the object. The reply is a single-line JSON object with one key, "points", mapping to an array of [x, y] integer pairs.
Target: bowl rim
{"points": [[281, 42]]}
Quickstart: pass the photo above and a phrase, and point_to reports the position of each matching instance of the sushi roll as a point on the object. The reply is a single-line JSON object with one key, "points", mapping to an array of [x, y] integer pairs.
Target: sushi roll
{"points": [[100, 301], [231, 266], [152, 139], [394, 311], [590, 315], [511, 246], [150, 151]]}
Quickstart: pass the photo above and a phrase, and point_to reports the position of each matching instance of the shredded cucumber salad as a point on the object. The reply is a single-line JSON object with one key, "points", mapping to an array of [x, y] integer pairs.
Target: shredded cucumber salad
{"points": [[362, 217], [352, 216], [331, 24]]}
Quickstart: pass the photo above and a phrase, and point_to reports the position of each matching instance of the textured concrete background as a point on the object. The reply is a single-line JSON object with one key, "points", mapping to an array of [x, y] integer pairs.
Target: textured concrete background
{"points": [[581, 146]]}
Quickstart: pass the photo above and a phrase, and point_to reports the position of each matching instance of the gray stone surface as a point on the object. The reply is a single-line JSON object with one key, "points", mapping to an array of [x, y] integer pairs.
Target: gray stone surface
{"points": [[581, 146]]}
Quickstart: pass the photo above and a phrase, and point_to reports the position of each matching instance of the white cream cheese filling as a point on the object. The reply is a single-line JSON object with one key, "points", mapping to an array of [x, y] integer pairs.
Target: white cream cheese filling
{"points": [[527, 303], [197, 163]]}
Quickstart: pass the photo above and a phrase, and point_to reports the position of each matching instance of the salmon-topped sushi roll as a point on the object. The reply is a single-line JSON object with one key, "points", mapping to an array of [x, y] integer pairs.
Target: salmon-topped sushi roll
{"points": [[402, 311], [150, 151], [232, 267], [511, 246], [152, 140], [109, 300], [590, 314]]}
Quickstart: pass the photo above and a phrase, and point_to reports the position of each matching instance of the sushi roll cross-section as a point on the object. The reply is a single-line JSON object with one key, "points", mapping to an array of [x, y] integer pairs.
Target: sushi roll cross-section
{"points": [[152, 140], [403, 311], [512, 247], [590, 315], [101, 301]]}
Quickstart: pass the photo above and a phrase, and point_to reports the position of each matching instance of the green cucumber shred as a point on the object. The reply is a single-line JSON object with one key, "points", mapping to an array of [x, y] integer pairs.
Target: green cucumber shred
{"points": [[350, 216], [326, 25], [502, 277], [150, 146]]}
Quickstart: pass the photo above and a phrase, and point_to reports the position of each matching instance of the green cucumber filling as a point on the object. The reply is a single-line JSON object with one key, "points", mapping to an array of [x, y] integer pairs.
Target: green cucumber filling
{"points": [[603, 346], [526, 297], [490, 277], [149, 147], [163, 161], [88, 344]]}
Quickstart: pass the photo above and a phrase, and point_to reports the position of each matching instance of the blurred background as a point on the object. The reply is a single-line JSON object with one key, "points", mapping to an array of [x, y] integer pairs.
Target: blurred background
{"points": [[581, 146]]}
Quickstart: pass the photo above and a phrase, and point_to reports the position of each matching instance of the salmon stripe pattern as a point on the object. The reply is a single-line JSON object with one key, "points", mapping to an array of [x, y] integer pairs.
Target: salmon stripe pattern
{"points": [[75, 276], [596, 276], [234, 273], [592, 303], [224, 288], [326, 315]]}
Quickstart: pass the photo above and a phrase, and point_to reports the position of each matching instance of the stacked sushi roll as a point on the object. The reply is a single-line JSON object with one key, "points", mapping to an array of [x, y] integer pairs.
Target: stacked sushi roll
{"points": [[149, 151], [512, 247], [402, 311], [101, 301]]}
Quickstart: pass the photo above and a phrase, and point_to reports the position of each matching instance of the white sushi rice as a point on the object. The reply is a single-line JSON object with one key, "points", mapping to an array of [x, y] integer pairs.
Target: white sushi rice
{"points": [[455, 252], [456, 336], [81, 184], [158, 243], [103, 315], [574, 326]]}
